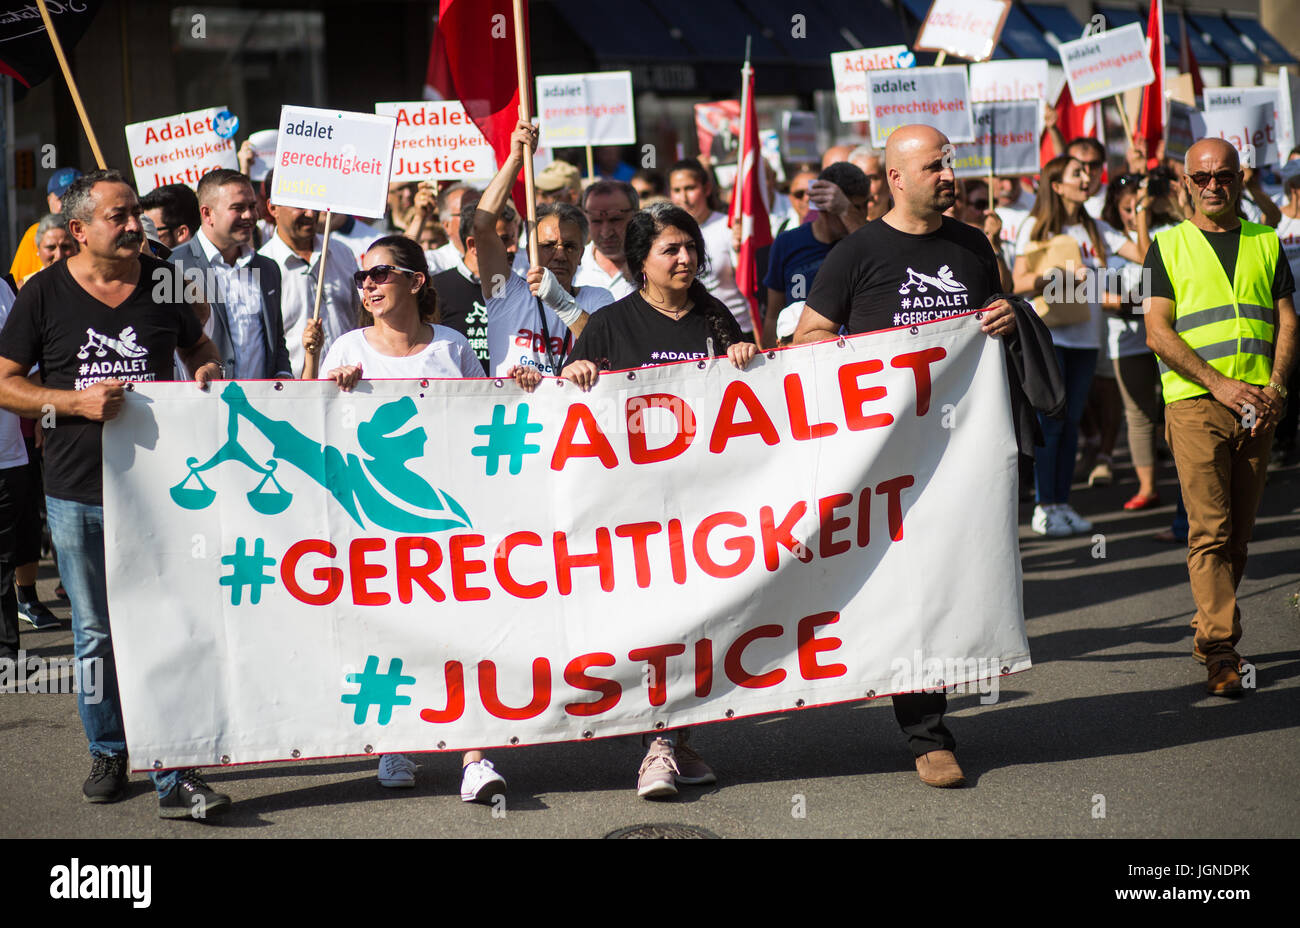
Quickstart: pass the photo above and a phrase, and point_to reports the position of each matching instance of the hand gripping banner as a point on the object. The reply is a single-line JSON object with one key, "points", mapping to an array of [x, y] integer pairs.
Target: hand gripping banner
{"points": [[297, 572]]}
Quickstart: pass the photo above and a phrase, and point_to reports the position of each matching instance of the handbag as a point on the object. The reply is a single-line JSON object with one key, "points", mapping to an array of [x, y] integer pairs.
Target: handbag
{"points": [[1063, 253]]}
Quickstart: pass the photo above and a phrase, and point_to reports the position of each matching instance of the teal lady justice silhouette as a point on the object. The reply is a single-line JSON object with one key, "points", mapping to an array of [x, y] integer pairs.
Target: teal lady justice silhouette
{"points": [[350, 480]]}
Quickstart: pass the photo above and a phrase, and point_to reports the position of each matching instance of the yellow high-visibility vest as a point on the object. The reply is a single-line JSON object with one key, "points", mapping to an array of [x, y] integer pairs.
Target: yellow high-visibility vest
{"points": [[1229, 324]]}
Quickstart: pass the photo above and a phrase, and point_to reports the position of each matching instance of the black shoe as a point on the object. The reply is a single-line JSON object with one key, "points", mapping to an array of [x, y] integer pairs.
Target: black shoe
{"points": [[107, 780], [37, 615], [190, 797]]}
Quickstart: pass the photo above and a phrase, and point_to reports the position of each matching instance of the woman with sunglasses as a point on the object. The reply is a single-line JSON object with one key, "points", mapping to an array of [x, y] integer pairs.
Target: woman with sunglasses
{"points": [[1060, 210], [400, 338]]}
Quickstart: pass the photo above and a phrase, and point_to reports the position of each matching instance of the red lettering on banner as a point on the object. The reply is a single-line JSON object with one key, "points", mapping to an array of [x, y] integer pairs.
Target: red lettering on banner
{"points": [[637, 447], [737, 673], [810, 646], [332, 577], [919, 362], [893, 489], [657, 658], [603, 558], [703, 667], [864, 517], [677, 550], [408, 574], [639, 532], [462, 567], [455, 675], [726, 427], [596, 446], [797, 405], [576, 676], [743, 546], [774, 533], [361, 571], [501, 565], [826, 506], [855, 397], [487, 691]]}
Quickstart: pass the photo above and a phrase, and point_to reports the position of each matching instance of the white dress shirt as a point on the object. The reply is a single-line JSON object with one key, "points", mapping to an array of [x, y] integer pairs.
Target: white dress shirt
{"points": [[238, 288], [340, 301], [591, 274]]}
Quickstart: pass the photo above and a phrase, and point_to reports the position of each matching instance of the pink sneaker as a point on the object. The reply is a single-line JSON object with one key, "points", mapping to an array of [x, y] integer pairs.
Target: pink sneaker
{"points": [[658, 770]]}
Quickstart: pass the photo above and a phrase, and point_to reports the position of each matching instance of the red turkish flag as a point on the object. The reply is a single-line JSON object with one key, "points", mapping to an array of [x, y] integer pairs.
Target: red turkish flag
{"points": [[1072, 120], [1187, 58], [1151, 119], [747, 204]]}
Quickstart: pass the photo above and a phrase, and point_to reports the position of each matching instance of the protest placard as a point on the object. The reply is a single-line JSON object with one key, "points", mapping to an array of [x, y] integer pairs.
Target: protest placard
{"points": [[799, 136], [586, 109], [437, 140], [717, 129], [850, 72], [1288, 109], [963, 28], [1181, 134], [178, 149], [1252, 130], [1006, 142], [335, 160], [1025, 79], [937, 97], [380, 571], [1106, 63]]}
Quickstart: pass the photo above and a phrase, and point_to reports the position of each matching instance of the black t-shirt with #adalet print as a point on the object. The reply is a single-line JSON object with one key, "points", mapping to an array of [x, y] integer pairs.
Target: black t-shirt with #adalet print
{"points": [[630, 333], [879, 277], [79, 341]]}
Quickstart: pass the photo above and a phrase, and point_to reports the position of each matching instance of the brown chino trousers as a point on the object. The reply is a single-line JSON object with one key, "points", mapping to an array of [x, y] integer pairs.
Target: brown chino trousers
{"points": [[1221, 468]]}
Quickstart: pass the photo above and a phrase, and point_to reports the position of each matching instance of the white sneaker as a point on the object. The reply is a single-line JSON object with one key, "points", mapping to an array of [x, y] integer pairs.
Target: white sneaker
{"points": [[1049, 521], [1076, 522], [396, 771], [481, 782]]}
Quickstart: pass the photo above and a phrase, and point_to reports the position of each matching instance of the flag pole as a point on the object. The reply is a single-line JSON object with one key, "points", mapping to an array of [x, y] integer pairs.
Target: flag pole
{"points": [[72, 84], [526, 114]]}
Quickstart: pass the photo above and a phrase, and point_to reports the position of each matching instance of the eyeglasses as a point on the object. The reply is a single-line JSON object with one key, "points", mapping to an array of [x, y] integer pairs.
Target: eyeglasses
{"points": [[1223, 178], [798, 194], [1091, 165], [379, 274]]}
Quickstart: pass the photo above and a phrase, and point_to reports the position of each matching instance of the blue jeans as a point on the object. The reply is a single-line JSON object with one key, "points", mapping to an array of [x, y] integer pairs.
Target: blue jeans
{"points": [[77, 530], [1054, 460]]}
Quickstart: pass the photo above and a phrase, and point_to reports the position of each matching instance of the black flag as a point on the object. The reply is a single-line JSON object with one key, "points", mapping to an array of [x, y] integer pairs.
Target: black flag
{"points": [[25, 50]]}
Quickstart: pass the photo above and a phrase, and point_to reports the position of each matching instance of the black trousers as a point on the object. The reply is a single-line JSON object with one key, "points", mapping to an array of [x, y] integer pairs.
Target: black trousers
{"points": [[920, 715], [16, 515]]}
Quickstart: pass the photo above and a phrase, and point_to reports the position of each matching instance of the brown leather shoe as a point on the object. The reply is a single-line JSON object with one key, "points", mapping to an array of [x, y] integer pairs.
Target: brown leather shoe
{"points": [[939, 769], [1224, 679]]}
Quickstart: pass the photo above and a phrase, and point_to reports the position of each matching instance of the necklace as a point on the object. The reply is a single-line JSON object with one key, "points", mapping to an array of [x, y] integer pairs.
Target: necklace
{"points": [[675, 314], [417, 346]]}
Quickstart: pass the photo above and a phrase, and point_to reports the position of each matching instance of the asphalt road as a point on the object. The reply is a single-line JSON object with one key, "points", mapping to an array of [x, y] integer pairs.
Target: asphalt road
{"points": [[1110, 734]]}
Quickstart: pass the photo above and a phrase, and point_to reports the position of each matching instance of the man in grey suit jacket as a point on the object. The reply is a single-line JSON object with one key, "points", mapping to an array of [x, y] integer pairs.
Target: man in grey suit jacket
{"points": [[241, 287]]}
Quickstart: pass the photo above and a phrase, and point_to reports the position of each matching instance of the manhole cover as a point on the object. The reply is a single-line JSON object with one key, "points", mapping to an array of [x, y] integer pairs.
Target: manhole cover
{"points": [[661, 831]]}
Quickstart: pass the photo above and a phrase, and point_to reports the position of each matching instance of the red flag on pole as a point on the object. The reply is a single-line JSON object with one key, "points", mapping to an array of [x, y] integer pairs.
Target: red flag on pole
{"points": [[747, 204], [472, 59], [1073, 121], [1151, 120], [1187, 58]]}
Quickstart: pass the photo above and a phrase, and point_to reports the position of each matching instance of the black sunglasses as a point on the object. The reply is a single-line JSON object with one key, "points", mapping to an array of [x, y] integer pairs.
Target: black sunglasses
{"points": [[379, 274], [1224, 178]]}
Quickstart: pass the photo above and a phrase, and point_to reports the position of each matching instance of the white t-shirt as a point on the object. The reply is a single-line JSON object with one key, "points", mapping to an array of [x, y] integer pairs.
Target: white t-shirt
{"points": [[517, 334], [1085, 334], [721, 277], [1096, 203], [13, 450], [591, 274], [447, 356], [1013, 217], [1126, 337], [442, 258], [1288, 230]]}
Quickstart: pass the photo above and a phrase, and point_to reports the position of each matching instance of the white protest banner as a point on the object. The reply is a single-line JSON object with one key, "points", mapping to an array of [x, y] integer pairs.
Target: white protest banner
{"points": [[586, 109], [1226, 98], [1252, 130], [1024, 79], [1181, 134], [799, 136], [437, 140], [329, 159], [178, 149], [937, 97], [1006, 140], [441, 565], [963, 28], [1106, 63], [850, 72]]}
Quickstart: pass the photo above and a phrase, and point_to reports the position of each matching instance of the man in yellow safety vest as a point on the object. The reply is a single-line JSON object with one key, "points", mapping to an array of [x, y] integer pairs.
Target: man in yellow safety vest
{"points": [[1221, 320]]}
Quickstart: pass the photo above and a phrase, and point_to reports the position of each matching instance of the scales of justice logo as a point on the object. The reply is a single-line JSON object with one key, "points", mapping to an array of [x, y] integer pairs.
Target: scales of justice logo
{"points": [[380, 486]]}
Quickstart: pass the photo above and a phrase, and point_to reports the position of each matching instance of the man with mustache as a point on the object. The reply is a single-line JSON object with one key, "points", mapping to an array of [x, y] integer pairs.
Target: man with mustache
{"points": [[609, 204], [296, 249], [1221, 319], [93, 322], [241, 287], [868, 282]]}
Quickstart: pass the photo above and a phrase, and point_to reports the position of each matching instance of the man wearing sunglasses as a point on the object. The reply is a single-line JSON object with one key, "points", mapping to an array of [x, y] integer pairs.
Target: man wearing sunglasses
{"points": [[1221, 319]]}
